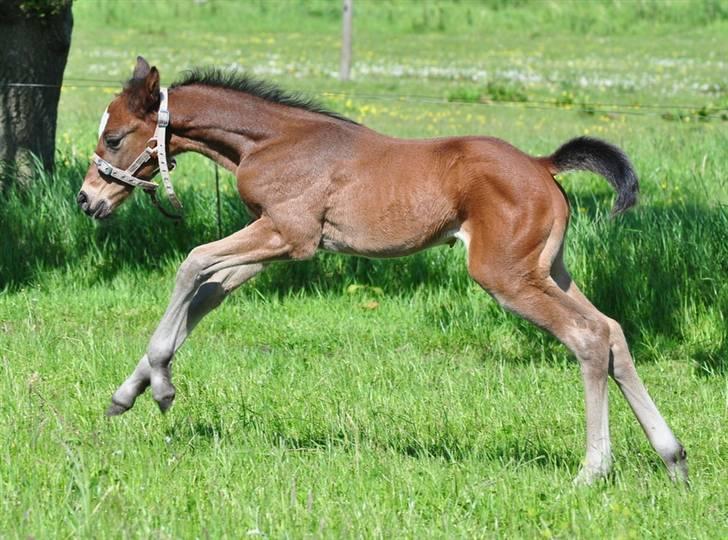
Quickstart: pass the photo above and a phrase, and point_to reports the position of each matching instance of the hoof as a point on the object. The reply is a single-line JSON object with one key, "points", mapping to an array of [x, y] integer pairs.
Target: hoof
{"points": [[115, 409], [588, 477], [165, 403], [677, 468]]}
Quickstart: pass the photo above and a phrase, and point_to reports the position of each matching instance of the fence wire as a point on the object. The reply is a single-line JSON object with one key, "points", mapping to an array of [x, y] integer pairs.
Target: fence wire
{"points": [[631, 109]]}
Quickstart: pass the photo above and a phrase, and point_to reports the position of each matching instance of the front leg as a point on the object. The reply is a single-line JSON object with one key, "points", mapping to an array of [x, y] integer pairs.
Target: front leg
{"points": [[208, 296], [208, 274]]}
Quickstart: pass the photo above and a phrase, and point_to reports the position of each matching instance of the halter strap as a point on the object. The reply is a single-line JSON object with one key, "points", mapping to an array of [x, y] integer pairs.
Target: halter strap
{"points": [[158, 148], [161, 136]]}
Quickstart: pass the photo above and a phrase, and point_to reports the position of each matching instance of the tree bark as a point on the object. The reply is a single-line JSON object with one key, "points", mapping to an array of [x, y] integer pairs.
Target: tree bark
{"points": [[34, 44]]}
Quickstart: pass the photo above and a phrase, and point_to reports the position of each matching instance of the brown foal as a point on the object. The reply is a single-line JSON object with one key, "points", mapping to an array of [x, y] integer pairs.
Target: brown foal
{"points": [[314, 180]]}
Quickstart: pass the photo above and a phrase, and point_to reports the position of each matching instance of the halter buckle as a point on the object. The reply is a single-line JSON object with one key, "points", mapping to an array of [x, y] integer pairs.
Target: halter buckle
{"points": [[103, 166], [163, 118]]}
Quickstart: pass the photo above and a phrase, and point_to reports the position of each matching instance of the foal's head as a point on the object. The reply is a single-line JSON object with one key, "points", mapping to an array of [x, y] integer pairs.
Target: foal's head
{"points": [[126, 127]]}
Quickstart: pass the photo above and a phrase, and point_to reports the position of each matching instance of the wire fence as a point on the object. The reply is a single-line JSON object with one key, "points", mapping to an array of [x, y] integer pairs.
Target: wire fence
{"points": [[631, 109], [591, 107]]}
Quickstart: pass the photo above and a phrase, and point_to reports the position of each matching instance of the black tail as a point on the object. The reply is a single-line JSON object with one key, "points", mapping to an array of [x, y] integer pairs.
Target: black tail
{"points": [[604, 159]]}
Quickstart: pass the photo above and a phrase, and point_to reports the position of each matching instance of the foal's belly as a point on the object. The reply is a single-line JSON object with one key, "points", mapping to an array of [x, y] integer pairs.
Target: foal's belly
{"points": [[398, 228], [368, 247]]}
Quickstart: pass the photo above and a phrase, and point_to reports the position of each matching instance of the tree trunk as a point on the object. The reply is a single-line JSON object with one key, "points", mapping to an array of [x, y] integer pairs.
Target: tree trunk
{"points": [[34, 44]]}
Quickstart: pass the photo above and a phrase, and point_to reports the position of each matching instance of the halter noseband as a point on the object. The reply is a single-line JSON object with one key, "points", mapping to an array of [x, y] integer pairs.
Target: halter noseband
{"points": [[159, 149]]}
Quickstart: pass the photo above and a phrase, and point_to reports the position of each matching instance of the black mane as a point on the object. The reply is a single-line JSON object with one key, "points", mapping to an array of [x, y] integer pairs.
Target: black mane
{"points": [[242, 82]]}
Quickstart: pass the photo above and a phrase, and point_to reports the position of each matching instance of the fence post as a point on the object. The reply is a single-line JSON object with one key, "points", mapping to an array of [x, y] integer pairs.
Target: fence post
{"points": [[346, 16]]}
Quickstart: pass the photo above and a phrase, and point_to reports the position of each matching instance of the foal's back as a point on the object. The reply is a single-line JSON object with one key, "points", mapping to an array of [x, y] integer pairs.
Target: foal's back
{"points": [[393, 196]]}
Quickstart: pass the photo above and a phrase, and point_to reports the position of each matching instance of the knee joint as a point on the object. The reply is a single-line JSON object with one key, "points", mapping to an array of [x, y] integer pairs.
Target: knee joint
{"points": [[590, 343], [616, 335], [192, 267], [594, 331]]}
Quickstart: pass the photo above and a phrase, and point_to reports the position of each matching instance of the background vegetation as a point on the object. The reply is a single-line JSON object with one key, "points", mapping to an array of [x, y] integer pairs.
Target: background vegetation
{"points": [[348, 397]]}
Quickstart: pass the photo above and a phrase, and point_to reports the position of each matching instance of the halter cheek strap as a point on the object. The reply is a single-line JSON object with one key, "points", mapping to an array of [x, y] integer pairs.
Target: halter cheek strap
{"points": [[157, 148]]}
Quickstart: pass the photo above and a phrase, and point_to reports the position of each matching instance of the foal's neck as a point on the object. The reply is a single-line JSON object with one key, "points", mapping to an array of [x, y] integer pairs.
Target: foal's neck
{"points": [[227, 125]]}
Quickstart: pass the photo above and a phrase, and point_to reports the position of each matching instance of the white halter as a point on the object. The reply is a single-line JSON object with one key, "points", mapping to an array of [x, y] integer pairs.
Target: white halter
{"points": [[158, 148]]}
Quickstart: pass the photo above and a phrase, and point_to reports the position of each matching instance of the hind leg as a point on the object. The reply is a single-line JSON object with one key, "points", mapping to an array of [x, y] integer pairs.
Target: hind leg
{"points": [[586, 334], [623, 372], [523, 287]]}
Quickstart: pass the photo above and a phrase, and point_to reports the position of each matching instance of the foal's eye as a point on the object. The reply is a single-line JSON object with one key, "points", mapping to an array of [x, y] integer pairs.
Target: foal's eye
{"points": [[113, 143]]}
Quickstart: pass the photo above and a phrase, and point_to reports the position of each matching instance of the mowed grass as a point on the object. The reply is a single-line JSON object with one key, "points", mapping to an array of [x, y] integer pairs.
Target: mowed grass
{"points": [[342, 397]]}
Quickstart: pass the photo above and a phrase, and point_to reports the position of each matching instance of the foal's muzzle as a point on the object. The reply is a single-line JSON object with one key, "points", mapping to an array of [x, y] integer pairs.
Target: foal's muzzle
{"points": [[99, 210]]}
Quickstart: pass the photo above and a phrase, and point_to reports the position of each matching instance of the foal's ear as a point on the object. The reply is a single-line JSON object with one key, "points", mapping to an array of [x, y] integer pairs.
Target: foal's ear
{"points": [[151, 85], [142, 69], [143, 88]]}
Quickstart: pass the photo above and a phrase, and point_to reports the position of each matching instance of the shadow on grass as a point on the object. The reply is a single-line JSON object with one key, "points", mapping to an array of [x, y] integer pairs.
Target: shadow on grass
{"points": [[44, 230], [509, 452], [513, 452], [661, 272]]}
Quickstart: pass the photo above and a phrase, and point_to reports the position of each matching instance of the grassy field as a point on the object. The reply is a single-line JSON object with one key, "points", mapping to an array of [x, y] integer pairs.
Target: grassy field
{"points": [[344, 397]]}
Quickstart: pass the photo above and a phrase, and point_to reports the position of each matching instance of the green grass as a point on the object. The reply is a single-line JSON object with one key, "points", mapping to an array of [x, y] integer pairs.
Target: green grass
{"points": [[409, 405]]}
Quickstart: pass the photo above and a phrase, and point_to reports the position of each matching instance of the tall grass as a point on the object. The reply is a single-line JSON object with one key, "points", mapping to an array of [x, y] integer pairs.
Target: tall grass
{"points": [[44, 229]]}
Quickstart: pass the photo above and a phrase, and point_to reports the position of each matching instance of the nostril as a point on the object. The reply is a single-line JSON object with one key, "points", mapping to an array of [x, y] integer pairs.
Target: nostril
{"points": [[101, 210], [82, 197]]}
